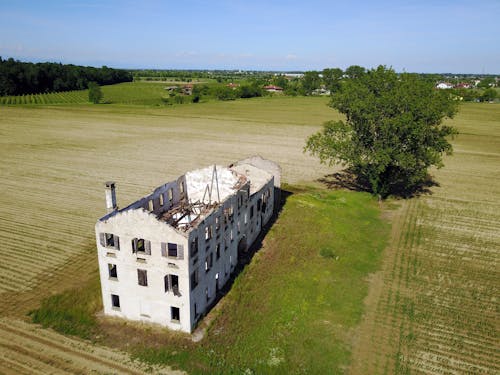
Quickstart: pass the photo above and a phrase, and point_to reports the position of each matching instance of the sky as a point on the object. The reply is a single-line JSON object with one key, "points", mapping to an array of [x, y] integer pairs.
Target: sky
{"points": [[440, 36]]}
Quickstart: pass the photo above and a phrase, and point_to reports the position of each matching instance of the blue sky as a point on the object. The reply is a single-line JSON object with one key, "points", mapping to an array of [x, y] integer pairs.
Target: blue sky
{"points": [[458, 36]]}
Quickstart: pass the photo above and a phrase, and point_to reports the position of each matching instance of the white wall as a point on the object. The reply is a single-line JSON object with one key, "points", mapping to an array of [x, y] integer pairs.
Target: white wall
{"points": [[138, 301]]}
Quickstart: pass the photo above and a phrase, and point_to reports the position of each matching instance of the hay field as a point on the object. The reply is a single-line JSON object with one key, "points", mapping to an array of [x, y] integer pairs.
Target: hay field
{"points": [[434, 307], [56, 159]]}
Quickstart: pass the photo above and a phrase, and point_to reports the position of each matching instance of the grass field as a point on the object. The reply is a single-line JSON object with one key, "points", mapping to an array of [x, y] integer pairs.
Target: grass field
{"points": [[434, 306], [56, 158], [431, 308], [128, 93], [291, 310]]}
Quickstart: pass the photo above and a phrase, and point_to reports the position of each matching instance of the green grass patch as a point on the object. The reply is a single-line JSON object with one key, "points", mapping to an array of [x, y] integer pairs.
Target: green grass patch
{"points": [[71, 312], [291, 311]]}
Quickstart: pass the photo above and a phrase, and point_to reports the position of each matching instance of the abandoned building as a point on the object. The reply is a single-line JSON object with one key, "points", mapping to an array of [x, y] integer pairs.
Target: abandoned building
{"points": [[164, 258]]}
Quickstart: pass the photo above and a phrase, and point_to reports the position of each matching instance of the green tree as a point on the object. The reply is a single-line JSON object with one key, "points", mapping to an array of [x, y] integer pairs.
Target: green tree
{"points": [[332, 77], [486, 83], [311, 81], [393, 130], [95, 93], [355, 71], [488, 95]]}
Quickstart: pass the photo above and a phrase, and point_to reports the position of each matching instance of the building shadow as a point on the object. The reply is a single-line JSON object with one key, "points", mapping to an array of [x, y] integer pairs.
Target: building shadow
{"points": [[246, 256]]}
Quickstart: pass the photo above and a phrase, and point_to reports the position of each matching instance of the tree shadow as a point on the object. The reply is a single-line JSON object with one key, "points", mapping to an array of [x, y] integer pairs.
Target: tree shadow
{"points": [[348, 180], [345, 179]]}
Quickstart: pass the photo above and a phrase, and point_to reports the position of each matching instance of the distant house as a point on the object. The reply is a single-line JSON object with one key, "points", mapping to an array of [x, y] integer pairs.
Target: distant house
{"points": [[444, 85], [187, 89], [321, 91], [273, 88], [233, 86], [463, 85]]}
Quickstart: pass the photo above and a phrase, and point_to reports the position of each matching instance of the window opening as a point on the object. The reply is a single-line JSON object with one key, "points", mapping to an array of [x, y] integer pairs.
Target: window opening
{"points": [[112, 271], [140, 245], [142, 277], [208, 232], [172, 249], [194, 279], [194, 246], [175, 313], [109, 240], [115, 301]]}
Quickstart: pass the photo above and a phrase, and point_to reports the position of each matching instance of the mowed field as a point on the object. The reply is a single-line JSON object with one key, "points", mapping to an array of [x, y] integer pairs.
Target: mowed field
{"points": [[55, 161], [434, 307]]}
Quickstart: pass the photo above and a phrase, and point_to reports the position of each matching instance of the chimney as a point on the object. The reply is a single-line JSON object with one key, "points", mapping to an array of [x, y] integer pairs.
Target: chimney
{"points": [[110, 196]]}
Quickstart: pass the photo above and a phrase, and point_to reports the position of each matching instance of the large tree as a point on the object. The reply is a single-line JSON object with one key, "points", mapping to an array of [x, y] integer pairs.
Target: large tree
{"points": [[393, 130]]}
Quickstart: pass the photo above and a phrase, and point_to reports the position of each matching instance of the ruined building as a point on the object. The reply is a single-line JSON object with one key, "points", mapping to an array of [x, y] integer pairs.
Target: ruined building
{"points": [[163, 258]]}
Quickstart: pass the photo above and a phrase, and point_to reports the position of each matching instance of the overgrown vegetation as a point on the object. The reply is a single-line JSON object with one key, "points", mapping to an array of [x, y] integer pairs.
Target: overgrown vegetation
{"points": [[287, 312]]}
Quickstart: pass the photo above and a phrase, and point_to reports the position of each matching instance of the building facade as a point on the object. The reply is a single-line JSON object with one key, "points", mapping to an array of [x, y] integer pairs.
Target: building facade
{"points": [[163, 258]]}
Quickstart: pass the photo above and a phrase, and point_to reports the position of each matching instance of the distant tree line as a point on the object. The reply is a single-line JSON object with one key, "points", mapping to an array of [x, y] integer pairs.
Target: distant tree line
{"points": [[19, 78]]}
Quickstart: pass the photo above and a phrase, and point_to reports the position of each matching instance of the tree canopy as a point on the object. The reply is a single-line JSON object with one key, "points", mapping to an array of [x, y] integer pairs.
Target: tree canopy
{"points": [[18, 78], [393, 130], [95, 93]]}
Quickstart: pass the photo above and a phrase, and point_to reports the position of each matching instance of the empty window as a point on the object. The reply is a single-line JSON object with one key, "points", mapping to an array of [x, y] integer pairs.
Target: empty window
{"points": [[161, 199], [172, 249], [194, 247], [251, 212], [217, 251], [172, 284], [206, 294], [150, 205], [208, 262], [112, 270], [181, 186], [194, 279], [109, 240], [217, 224], [140, 245], [142, 277], [170, 194], [115, 301], [175, 313], [208, 232], [228, 214], [246, 218]]}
